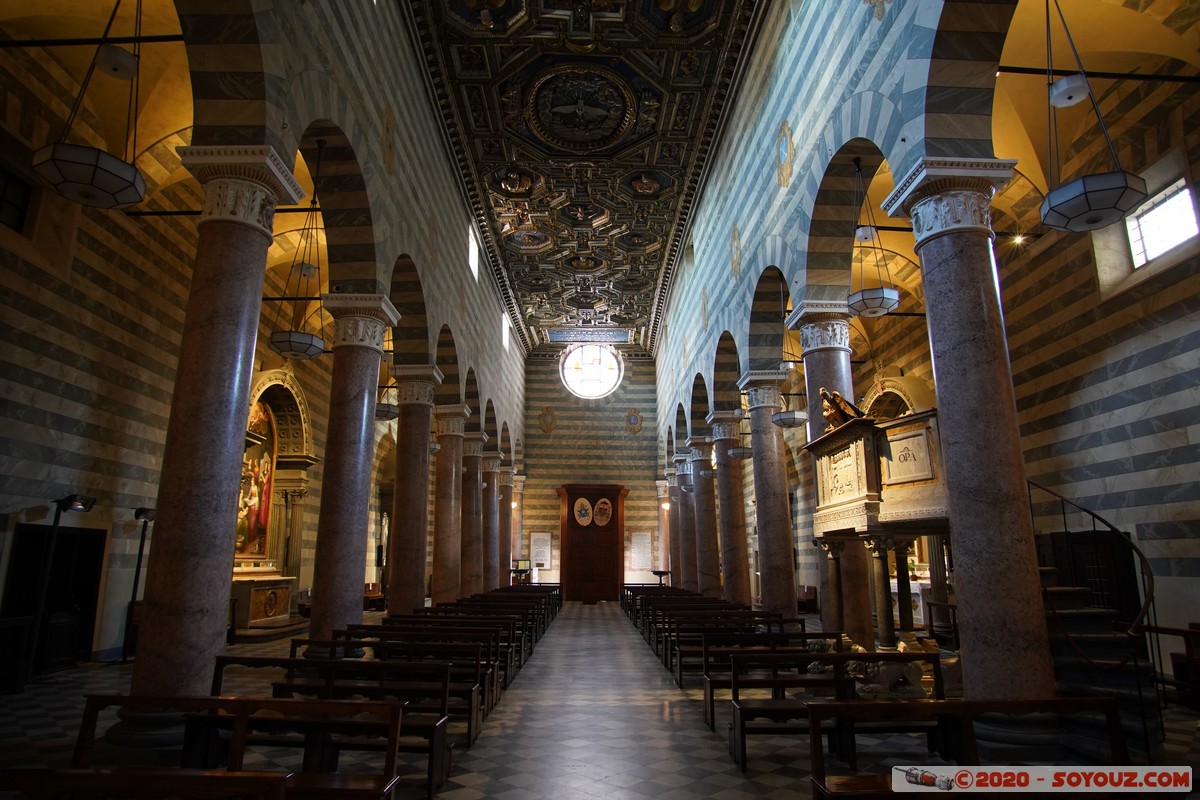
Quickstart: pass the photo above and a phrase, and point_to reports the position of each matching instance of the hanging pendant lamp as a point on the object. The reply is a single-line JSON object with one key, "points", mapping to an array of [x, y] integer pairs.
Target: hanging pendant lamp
{"points": [[870, 301], [1091, 201], [88, 175]]}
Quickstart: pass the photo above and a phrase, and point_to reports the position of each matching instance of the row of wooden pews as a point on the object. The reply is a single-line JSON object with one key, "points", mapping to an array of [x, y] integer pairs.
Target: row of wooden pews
{"points": [[418, 683], [784, 680]]}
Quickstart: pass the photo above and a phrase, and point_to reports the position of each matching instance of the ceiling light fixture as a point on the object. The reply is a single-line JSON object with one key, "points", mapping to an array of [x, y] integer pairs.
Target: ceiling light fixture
{"points": [[1090, 201], [302, 340], [874, 301], [88, 175]]}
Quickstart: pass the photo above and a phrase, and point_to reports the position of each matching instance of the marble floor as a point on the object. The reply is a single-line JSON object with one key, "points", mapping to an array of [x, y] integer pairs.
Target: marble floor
{"points": [[592, 715]]}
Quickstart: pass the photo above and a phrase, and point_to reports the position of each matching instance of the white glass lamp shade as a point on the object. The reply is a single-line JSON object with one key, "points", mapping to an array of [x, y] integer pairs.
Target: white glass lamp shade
{"points": [[1093, 201], [385, 412], [789, 419], [741, 452], [89, 176], [874, 302], [297, 345]]}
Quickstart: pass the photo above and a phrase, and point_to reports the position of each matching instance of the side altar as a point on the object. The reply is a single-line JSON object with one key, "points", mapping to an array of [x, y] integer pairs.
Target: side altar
{"points": [[262, 597]]}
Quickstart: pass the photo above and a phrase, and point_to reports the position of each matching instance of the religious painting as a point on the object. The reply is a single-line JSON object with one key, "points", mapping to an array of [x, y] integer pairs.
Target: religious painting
{"points": [[603, 511], [258, 476]]}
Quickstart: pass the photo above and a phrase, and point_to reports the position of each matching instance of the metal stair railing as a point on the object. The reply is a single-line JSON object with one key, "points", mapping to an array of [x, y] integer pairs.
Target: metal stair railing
{"points": [[1144, 621]]}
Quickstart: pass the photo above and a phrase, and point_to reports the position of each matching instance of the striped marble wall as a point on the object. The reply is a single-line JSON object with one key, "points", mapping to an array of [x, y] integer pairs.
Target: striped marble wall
{"points": [[571, 440]]}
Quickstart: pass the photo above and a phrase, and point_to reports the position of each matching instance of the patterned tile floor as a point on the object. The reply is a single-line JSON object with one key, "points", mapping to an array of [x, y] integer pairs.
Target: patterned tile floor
{"points": [[592, 715]]}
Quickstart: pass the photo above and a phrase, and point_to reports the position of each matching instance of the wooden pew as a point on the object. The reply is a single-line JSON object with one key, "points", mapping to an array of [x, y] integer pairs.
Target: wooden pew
{"points": [[421, 732], [321, 727], [717, 648], [955, 718], [683, 646], [490, 636], [780, 673], [134, 782]]}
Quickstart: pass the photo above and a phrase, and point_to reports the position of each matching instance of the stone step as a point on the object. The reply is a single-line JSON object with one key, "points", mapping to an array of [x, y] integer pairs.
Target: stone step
{"points": [[1048, 575], [1065, 598], [1083, 620]]}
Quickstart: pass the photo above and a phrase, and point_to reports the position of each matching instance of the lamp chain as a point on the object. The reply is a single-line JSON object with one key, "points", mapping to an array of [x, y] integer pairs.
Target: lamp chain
{"points": [[87, 78]]}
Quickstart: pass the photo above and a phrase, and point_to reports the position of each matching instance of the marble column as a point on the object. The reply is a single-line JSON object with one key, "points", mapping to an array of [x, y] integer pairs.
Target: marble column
{"points": [[521, 543], [1000, 610], [735, 558], [663, 553], [825, 339], [777, 562], [704, 501], [885, 624], [408, 541], [349, 450], [491, 520], [186, 602], [832, 618], [673, 495], [939, 615], [447, 509], [472, 514], [903, 587], [687, 525], [506, 510]]}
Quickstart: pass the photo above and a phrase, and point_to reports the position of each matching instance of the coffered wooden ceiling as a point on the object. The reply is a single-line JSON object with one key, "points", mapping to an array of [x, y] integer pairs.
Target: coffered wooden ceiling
{"points": [[582, 129]]}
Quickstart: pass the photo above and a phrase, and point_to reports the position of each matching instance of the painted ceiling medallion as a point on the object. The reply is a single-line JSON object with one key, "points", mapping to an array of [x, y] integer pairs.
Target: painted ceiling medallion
{"points": [[580, 107], [530, 240], [585, 265]]}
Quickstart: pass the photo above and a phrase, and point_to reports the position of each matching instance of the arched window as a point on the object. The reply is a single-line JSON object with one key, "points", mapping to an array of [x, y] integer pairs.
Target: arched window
{"points": [[591, 370]]}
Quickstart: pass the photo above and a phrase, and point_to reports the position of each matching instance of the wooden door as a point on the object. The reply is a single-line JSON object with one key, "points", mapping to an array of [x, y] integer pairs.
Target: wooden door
{"points": [[592, 529]]}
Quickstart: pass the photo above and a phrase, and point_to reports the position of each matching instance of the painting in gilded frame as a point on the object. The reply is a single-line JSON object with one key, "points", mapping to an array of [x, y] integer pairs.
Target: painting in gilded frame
{"points": [[258, 475]]}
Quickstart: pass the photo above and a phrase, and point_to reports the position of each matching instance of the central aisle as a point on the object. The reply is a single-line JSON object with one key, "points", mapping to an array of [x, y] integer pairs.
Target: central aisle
{"points": [[595, 715]]}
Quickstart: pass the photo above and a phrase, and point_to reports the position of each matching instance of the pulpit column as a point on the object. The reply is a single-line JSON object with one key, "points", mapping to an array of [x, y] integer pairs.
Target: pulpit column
{"points": [[775, 544], [903, 586], [996, 574], [447, 509], [505, 513], [349, 447], [939, 594], [673, 495], [472, 513], [408, 540], [491, 520], [735, 559], [687, 525], [188, 576], [884, 623], [832, 618], [825, 338], [663, 555], [704, 500]]}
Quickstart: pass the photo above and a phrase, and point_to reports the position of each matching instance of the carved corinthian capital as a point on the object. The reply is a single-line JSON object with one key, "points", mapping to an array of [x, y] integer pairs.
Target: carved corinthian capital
{"points": [[361, 319], [825, 334], [241, 184], [950, 212], [763, 394]]}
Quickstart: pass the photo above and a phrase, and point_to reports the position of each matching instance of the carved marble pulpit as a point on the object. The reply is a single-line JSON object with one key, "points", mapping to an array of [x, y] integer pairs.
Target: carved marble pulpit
{"points": [[848, 482]]}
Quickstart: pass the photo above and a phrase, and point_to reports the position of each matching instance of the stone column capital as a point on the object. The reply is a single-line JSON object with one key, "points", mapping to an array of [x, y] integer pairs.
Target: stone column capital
{"points": [[879, 545], [361, 319], [684, 470], [832, 547], [414, 393], [416, 373], [491, 461], [809, 311], [945, 195], [765, 377], [764, 395], [661, 489], [451, 419], [473, 443], [518, 482], [701, 449], [722, 431], [242, 184], [506, 476], [826, 332]]}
